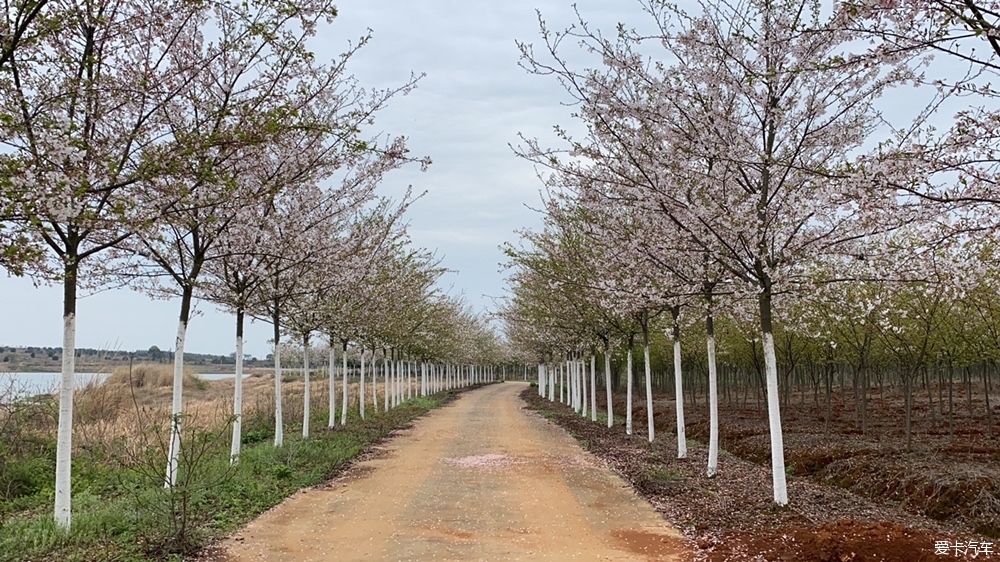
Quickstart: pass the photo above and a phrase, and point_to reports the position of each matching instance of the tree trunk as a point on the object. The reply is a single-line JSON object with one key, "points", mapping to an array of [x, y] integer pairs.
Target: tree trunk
{"points": [[374, 384], [551, 377], [675, 335], [713, 399], [234, 448], [306, 413], [562, 384], [361, 387], [989, 411], [64, 438], [541, 380], [177, 406], [332, 384], [908, 399], [628, 392], [828, 375], [279, 425], [951, 399], [593, 389], [650, 426], [607, 387], [773, 409], [343, 374], [388, 386]]}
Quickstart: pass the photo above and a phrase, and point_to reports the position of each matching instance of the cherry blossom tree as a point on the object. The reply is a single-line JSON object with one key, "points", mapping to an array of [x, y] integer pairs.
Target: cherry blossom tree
{"points": [[755, 117], [311, 114], [82, 113]]}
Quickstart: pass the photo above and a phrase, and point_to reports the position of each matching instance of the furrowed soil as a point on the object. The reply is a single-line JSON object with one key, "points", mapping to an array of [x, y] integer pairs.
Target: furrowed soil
{"points": [[853, 497], [950, 472]]}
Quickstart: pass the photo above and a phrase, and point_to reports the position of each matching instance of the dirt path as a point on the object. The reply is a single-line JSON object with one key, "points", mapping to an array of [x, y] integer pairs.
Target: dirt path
{"points": [[480, 479]]}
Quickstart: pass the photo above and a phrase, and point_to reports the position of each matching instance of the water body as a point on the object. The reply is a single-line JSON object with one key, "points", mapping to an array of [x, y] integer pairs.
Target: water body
{"points": [[31, 384]]}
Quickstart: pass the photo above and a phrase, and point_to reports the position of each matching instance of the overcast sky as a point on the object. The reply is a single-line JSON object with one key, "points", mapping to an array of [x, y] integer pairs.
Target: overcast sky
{"points": [[472, 103]]}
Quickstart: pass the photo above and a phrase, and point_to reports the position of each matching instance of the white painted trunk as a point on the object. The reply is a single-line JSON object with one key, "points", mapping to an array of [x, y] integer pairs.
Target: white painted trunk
{"points": [[333, 387], [374, 385], [583, 389], [571, 369], [343, 401], [306, 412], [551, 376], [593, 389], [387, 387], [571, 384], [64, 439], [713, 411], [607, 388], [577, 387], [279, 416], [361, 387], [628, 393], [567, 382], [176, 407], [679, 402], [650, 430], [234, 447], [774, 422]]}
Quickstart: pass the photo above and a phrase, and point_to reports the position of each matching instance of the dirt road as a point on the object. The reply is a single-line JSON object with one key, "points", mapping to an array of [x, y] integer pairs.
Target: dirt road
{"points": [[480, 479]]}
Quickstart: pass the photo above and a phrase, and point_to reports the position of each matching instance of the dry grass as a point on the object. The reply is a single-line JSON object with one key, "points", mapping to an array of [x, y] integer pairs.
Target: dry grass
{"points": [[133, 401], [127, 403], [150, 375]]}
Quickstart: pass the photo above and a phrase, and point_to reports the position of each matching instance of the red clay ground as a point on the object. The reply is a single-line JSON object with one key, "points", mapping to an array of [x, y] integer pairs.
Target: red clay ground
{"points": [[732, 517], [951, 472]]}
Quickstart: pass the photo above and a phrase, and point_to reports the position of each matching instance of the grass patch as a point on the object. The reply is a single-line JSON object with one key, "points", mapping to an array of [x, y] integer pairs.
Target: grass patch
{"points": [[663, 473]]}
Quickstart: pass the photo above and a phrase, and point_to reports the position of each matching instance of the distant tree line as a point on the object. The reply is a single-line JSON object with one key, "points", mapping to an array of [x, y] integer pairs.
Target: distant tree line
{"points": [[153, 354]]}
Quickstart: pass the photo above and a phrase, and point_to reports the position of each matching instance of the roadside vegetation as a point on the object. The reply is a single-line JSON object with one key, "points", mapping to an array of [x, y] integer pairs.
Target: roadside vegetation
{"points": [[122, 510]]}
